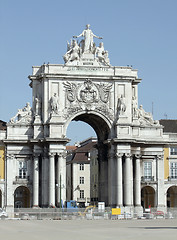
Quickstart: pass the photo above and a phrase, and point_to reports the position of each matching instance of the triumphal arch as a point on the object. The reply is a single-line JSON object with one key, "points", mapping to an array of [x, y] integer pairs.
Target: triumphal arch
{"points": [[86, 88]]}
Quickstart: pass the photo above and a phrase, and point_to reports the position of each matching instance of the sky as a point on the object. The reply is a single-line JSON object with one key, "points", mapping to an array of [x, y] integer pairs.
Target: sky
{"points": [[141, 33]]}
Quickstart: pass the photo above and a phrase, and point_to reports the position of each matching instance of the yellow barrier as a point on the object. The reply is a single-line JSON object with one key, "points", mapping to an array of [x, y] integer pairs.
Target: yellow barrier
{"points": [[116, 211]]}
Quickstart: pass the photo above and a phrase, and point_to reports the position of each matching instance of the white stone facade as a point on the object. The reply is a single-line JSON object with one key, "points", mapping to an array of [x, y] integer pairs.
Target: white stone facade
{"points": [[89, 89]]}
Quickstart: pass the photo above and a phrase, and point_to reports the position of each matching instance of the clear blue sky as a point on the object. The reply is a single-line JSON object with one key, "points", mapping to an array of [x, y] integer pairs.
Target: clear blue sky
{"points": [[142, 33]]}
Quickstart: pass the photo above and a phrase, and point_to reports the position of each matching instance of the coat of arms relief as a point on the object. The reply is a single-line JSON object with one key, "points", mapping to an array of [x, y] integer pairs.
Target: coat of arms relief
{"points": [[88, 96]]}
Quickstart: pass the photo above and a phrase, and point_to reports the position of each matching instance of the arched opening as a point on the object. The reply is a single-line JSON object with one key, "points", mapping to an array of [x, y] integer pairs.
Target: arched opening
{"points": [[102, 130], [172, 197], [0, 198], [147, 197], [22, 197]]}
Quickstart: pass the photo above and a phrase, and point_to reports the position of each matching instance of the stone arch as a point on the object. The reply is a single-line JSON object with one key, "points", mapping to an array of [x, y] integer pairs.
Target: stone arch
{"points": [[148, 197], [103, 128], [22, 197], [96, 120], [172, 196]]}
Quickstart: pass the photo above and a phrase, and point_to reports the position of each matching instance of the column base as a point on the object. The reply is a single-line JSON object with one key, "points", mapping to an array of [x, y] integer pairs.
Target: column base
{"points": [[138, 210], [129, 209], [10, 211], [35, 206], [162, 208]]}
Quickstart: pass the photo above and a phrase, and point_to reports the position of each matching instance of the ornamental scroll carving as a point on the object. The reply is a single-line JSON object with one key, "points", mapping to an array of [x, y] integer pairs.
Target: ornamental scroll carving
{"points": [[88, 96]]}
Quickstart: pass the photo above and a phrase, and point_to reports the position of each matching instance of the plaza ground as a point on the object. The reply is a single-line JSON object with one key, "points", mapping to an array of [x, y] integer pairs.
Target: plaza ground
{"points": [[88, 229]]}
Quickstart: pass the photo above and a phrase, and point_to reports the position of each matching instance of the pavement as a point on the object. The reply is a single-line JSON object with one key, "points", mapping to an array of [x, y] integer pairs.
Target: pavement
{"points": [[156, 229]]}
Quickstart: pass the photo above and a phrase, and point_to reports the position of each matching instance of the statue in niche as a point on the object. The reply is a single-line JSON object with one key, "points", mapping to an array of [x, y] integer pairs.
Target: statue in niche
{"points": [[102, 54], [121, 106], [23, 115], [134, 107], [88, 39], [146, 117], [37, 106], [54, 103], [73, 52]]}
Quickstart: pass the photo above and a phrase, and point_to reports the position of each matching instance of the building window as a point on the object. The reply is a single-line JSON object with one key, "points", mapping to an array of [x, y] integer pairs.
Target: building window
{"points": [[81, 166], [147, 170], [81, 193], [173, 151], [173, 170], [22, 169], [81, 180]]}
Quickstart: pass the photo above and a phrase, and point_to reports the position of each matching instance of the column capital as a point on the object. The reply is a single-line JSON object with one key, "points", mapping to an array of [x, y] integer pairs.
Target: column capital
{"points": [[36, 155], [62, 154], [137, 156], [10, 156], [51, 154], [128, 155], [159, 157], [119, 155], [111, 155]]}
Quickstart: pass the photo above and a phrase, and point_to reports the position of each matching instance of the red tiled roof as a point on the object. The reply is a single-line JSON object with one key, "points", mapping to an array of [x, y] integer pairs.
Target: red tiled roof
{"points": [[71, 148], [81, 153]]}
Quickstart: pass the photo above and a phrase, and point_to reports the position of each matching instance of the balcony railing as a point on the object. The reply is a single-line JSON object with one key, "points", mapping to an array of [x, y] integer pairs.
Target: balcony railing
{"points": [[21, 180], [147, 179], [81, 199], [172, 178]]}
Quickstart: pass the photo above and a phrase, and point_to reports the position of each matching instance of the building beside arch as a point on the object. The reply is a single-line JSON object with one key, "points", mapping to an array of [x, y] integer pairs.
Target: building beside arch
{"points": [[170, 162], [86, 88]]}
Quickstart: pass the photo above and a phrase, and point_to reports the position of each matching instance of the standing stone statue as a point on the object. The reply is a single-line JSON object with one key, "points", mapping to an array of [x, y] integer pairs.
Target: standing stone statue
{"points": [[134, 107], [88, 38], [54, 103], [37, 106], [121, 106]]}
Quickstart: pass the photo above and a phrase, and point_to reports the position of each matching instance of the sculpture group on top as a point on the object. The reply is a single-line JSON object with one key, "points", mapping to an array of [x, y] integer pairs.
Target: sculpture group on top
{"points": [[144, 118], [24, 115], [86, 49]]}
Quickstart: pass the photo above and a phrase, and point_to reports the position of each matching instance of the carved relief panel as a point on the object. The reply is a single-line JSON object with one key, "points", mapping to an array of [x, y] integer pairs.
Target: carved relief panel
{"points": [[88, 96]]}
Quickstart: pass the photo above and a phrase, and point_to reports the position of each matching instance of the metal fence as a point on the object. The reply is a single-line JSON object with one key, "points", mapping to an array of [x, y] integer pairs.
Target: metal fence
{"points": [[90, 213]]}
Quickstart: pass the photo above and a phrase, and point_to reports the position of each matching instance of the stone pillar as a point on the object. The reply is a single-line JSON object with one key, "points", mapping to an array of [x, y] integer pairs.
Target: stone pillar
{"points": [[111, 180], [59, 182], [51, 179], [160, 183], [119, 180], [137, 183], [9, 196], [35, 180], [127, 180], [63, 177], [45, 178]]}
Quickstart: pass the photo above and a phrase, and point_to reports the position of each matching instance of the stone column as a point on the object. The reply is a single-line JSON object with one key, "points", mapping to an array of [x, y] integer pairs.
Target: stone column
{"points": [[59, 182], [137, 181], [127, 180], [45, 177], [119, 180], [35, 180], [9, 175], [51, 179], [111, 180], [160, 183]]}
